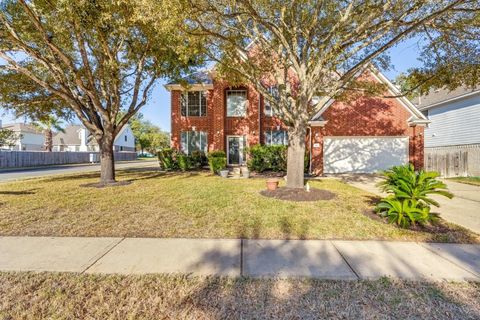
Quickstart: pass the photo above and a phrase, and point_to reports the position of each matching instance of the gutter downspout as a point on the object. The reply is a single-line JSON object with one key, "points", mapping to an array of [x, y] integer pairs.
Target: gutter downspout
{"points": [[259, 118], [310, 151]]}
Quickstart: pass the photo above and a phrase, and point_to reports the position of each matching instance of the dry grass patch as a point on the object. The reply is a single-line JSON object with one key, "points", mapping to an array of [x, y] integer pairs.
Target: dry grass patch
{"points": [[193, 205], [468, 180], [73, 296]]}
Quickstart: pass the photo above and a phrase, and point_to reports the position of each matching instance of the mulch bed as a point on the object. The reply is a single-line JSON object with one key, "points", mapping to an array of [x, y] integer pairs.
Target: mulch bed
{"points": [[299, 194]]}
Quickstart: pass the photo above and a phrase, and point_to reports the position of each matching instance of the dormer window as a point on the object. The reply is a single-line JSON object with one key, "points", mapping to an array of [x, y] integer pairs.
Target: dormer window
{"points": [[194, 103]]}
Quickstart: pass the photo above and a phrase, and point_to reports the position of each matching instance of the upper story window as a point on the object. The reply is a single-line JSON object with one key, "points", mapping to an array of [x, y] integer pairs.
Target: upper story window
{"points": [[236, 103], [277, 137], [193, 141], [125, 138], [194, 103], [269, 110]]}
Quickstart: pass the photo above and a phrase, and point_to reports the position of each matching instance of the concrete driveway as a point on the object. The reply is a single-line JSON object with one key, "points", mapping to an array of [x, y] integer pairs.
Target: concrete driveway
{"points": [[463, 209]]}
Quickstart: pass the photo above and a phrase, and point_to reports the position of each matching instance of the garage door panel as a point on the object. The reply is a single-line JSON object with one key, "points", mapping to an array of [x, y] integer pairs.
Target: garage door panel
{"points": [[364, 155]]}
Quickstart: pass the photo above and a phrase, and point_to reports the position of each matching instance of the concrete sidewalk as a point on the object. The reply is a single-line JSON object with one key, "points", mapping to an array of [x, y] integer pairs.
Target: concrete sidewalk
{"points": [[322, 259]]}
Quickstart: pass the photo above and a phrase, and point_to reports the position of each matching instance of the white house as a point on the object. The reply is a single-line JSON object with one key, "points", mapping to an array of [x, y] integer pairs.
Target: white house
{"points": [[28, 137], [78, 138], [455, 127]]}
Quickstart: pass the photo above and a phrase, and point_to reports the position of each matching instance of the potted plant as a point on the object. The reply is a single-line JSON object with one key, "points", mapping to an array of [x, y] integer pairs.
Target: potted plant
{"points": [[224, 173], [245, 172], [272, 184]]}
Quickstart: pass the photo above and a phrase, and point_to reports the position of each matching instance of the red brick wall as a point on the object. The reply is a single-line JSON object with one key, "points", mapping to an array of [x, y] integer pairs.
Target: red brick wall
{"points": [[368, 116], [364, 116]]}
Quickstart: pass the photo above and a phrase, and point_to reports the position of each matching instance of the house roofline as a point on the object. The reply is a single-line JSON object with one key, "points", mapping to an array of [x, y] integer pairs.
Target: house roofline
{"points": [[407, 104], [190, 87], [466, 95]]}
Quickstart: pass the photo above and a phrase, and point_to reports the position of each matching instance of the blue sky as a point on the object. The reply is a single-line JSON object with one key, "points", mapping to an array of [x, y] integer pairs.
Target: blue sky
{"points": [[157, 109]]}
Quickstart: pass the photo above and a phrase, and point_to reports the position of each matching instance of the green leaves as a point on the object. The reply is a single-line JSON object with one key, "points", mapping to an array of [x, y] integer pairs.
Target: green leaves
{"points": [[409, 201]]}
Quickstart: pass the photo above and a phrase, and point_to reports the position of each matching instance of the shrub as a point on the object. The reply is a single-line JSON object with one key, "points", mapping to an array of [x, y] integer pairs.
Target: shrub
{"points": [[217, 160], [185, 162], [403, 182], [167, 159], [405, 212], [409, 201], [198, 159], [267, 158]]}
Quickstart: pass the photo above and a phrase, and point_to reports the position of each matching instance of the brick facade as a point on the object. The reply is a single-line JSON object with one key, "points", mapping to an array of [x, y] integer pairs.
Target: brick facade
{"points": [[362, 117]]}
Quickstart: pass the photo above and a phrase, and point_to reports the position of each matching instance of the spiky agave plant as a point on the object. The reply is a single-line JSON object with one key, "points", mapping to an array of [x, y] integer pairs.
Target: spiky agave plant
{"points": [[403, 182]]}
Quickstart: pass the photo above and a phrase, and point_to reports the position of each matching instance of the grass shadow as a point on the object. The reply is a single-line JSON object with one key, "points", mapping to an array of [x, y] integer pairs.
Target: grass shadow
{"points": [[17, 193]]}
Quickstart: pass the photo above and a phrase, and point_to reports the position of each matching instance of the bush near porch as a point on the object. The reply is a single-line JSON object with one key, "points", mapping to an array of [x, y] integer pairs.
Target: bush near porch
{"points": [[196, 205]]}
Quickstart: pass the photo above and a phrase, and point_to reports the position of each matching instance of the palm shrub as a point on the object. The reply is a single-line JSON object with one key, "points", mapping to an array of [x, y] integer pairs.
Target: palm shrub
{"points": [[405, 212], [403, 182], [217, 160], [185, 162], [409, 195]]}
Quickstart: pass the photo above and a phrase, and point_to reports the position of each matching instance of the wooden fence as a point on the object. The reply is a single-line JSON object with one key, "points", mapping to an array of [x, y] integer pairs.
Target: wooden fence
{"points": [[19, 159], [454, 161]]}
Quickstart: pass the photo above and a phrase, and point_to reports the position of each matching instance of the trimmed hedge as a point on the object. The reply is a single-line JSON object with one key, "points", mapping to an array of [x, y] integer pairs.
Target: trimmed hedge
{"points": [[171, 159], [270, 158], [217, 160], [267, 158], [167, 159]]}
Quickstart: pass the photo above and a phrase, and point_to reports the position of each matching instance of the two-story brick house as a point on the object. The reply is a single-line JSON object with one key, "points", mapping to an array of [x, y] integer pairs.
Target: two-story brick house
{"points": [[364, 135]]}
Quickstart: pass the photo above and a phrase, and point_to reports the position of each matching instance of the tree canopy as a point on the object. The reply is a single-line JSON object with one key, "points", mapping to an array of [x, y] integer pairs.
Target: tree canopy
{"points": [[313, 51], [95, 58]]}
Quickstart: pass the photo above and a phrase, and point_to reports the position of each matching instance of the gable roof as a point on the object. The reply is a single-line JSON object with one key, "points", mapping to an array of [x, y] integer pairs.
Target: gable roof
{"points": [[22, 128], [417, 116], [70, 137], [440, 96], [201, 80]]}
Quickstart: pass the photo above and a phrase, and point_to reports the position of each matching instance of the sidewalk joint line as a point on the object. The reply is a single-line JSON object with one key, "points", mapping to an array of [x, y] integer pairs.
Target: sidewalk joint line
{"points": [[424, 245], [346, 261], [103, 255], [241, 257]]}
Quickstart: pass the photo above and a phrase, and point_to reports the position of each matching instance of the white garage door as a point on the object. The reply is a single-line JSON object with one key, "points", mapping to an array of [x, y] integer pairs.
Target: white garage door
{"points": [[363, 154]]}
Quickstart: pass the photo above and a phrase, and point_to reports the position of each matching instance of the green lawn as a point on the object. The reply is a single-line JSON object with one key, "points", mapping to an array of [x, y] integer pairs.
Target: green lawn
{"points": [[468, 180], [75, 296], [195, 205]]}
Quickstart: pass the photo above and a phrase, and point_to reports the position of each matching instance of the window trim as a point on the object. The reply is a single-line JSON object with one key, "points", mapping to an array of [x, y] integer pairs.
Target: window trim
{"points": [[246, 103], [188, 139], [202, 107], [271, 113], [285, 137]]}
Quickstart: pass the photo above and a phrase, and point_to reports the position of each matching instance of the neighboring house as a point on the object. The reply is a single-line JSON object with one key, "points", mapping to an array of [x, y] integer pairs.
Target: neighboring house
{"points": [[30, 138], [452, 139], [77, 138], [365, 135]]}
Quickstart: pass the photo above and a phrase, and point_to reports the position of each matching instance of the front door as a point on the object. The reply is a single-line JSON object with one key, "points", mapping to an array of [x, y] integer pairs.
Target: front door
{"points": [[236, 150]]}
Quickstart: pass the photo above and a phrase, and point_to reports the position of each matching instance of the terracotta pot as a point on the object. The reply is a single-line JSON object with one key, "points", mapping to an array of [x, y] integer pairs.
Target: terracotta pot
{"points": [[272, 184]]}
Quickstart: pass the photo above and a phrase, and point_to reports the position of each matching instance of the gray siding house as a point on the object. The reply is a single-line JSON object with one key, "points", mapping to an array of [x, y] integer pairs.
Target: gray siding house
{"points": [[452, 139]]}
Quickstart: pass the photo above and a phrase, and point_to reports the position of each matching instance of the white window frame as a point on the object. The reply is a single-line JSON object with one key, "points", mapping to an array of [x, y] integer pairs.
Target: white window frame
{"points": [[184, 99], [269, 133], [185, 147], [267, 103], [243, 91]]}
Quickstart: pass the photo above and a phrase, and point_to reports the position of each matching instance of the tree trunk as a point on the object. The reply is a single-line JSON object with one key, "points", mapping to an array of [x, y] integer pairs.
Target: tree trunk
{"points": [[107, 163], [296, 156], [48, 140]]}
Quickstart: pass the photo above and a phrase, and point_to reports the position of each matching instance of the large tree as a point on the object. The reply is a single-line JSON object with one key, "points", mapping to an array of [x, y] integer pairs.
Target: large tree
{"points": [[99, 58], [311, 51], [148, 136]]}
